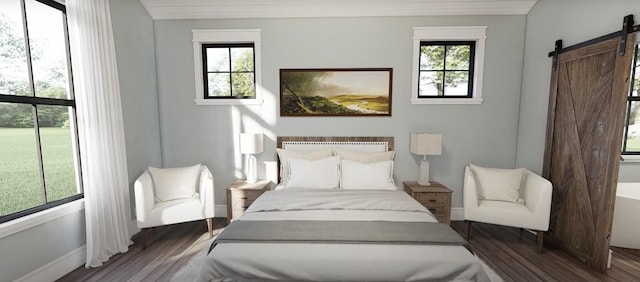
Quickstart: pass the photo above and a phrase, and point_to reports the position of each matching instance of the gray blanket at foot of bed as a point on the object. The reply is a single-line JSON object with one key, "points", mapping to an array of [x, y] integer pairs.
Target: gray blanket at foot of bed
{"points": [[339, 232]]}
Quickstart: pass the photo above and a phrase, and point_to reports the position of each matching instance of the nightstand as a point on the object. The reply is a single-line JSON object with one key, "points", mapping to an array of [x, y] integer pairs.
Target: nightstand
{"points": [[435, 197], [241, 194]]}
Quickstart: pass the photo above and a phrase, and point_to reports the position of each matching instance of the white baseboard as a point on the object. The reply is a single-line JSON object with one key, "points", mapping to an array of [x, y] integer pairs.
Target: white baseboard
{"points": [[57, 268], [457, 213]]}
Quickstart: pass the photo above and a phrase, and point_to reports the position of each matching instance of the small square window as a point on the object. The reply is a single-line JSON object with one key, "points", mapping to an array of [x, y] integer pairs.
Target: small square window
{"points": [[228, 71], [445, 69], [227, 66], [448, 64]]}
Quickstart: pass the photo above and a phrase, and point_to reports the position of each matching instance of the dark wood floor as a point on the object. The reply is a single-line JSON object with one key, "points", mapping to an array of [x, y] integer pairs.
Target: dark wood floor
{"points": [[169, 249], [511, 254]]}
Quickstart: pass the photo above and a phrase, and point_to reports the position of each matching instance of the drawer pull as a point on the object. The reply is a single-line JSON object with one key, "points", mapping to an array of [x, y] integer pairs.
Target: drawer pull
{"points": [[432, 200], [432, 210]]}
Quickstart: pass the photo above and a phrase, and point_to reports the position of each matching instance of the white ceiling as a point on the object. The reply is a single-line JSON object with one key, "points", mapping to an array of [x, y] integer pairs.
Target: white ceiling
{"points": [[226, 9]]}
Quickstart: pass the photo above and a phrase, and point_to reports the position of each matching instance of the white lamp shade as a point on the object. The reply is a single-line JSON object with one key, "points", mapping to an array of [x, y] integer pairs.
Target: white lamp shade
{"points": [[251, 143], [426, 144]]}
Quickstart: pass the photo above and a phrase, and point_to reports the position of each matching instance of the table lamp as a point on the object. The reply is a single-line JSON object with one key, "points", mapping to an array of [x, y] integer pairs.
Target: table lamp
{"points": [[425, 144], [250, 144]]}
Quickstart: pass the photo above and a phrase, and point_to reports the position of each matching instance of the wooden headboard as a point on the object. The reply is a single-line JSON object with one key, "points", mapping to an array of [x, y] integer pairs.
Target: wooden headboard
{"points": [[354, 143], [335, 139]]}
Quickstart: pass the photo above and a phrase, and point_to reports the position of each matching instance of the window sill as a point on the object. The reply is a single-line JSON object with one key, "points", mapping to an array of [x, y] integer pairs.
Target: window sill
{"points": [[630, 159], [32, 220], [441, 101], [227, 102]]}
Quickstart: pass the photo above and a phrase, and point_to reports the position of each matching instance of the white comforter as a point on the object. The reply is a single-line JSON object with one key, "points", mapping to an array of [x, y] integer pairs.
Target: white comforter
{"points": [[339, 262]]}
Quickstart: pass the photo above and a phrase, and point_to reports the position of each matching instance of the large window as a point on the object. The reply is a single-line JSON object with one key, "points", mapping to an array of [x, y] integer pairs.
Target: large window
{"points": [[448, 64], [39, 163], [631, 141], [227, 66]]}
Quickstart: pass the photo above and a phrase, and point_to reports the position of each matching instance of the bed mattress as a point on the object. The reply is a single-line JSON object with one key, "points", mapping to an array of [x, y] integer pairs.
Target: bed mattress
{"points": [[267, 261]]}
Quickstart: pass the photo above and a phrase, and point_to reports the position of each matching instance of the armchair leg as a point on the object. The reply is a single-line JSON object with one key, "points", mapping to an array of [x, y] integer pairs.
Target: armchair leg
{"points": [[540, 240], [210, 227], [468, 231], [145, 238]]}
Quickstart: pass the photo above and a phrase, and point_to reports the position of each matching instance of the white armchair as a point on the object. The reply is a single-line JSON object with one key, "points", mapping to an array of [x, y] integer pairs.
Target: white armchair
{"points": [[531, 211], [161, 200]]}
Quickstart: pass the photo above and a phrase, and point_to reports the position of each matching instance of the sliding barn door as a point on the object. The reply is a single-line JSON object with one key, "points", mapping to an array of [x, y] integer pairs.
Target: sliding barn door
{"points": [[584, 135]]}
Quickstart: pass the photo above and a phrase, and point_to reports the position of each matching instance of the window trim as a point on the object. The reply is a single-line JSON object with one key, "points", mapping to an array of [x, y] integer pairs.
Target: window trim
{"points": [[455, 33], [226, 36], [32, 220]]}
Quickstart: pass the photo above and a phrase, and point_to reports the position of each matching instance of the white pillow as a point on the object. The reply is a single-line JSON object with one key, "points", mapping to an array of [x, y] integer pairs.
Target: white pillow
{"points": [[365, 157], [175, 183], [322, 173], [373, 176], [284, 156], [498, 184]]}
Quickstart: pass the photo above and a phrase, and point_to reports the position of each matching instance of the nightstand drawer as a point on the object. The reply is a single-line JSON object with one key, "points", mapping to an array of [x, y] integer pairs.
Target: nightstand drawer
{"points": [[237, 213], [240, 195], [241, 203], [431, 198], [436, 210], [245, 195], [435, 197]]}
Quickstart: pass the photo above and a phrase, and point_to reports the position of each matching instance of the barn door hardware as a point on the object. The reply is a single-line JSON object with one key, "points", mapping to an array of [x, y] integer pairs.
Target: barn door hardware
{"points": [[555, 54], [627, 27]]}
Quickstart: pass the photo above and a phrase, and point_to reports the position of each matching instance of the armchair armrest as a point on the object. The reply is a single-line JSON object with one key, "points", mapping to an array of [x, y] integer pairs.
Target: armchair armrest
{"points": [[470, 193], [144, 197], [206, 191], [537, 193]]}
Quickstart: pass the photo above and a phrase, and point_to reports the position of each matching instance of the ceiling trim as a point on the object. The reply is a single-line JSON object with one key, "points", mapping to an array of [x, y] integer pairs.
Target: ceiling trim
{"points": [[233, 9]]}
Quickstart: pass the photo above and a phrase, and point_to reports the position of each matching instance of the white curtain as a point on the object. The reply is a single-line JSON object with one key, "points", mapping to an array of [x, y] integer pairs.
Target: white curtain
{"points": [[100, 127]]}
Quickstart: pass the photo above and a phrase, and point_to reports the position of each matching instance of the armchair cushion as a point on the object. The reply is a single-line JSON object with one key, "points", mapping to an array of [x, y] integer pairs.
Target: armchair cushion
{"points": [[497, 184], [175, 183]]}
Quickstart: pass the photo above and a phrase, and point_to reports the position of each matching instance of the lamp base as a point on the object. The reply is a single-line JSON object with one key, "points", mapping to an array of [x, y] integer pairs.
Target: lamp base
{"points": [[252, 173], [424, 173]]}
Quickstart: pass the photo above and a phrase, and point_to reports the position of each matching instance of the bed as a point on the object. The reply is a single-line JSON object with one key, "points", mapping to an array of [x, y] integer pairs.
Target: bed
{"points": [[345, 221]]}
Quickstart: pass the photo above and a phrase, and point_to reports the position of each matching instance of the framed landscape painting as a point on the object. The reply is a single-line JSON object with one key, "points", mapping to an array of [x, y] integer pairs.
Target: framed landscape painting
{"points": [[335, 92]]}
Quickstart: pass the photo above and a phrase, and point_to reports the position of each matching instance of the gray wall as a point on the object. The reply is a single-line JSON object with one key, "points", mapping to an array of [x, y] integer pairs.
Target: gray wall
{"points": [[136, 58], [483, 134], [573, 21], [26, 251]]}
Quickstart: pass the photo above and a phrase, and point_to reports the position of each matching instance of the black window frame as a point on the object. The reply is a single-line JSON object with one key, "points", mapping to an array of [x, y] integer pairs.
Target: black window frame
{"points": [[35, 101], [471, 70], [630, 98], [205, 72]]}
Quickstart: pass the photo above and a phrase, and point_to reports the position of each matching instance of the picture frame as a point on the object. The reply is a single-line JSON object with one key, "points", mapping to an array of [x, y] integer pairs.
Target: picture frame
{"points": [[336, 92]]}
